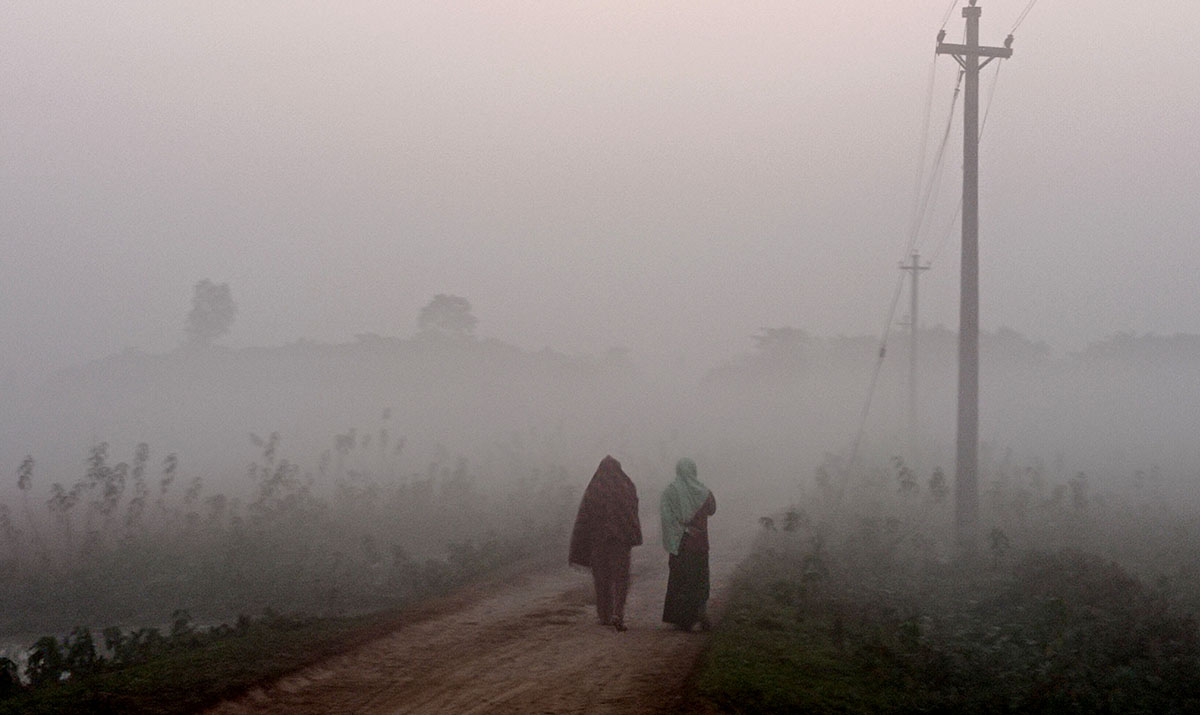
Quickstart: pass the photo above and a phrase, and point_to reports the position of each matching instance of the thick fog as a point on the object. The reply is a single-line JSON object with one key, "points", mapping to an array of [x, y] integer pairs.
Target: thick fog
{"points": [[627, 193]]}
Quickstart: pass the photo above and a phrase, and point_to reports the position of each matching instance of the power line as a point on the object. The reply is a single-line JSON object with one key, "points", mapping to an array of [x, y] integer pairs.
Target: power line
{"points": [[1024, 14], [949, 11], [991, 95], [921, 206], [936, 174], [918, 221], [924, 150], [949, 232], [958, 209], [866, 410]]}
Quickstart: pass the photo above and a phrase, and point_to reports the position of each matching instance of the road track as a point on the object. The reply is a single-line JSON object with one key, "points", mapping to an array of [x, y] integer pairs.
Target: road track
{"points": [[532, 645]]}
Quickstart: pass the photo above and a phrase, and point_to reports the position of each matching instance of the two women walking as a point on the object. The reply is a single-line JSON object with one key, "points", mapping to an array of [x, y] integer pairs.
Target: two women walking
{"points": [[607, 528]]}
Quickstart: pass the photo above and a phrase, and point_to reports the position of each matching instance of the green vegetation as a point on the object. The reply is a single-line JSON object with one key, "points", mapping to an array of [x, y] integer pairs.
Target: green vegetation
{"points": [[867, 615], [188, 669], [117, 548]]}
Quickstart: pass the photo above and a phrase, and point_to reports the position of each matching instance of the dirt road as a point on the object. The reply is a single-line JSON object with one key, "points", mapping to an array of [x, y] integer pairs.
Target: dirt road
{"points": [[532, 646]]}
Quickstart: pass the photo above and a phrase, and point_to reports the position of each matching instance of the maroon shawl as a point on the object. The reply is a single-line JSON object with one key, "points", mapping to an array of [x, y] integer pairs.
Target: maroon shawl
{"points": [[608, 513]]}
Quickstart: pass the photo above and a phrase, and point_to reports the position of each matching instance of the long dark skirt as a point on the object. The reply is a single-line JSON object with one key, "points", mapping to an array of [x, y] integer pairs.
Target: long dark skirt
{"points": [[687, 588], [610, 572]]}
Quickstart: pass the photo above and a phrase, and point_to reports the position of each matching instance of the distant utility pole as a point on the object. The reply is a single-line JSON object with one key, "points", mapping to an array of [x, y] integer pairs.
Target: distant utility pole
{"points": [[966, 473], [913, 426]]}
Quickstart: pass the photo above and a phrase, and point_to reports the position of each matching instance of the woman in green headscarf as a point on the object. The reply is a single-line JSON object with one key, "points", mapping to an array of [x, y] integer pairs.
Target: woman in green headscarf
{"points": [[685, 507]]}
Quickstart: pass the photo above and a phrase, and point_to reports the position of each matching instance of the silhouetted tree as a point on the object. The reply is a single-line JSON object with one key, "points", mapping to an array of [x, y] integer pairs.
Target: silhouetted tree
{"points": [[46, 663], [212, 314], [10, 681], [24, 482], [447, 315], [782, 342]]}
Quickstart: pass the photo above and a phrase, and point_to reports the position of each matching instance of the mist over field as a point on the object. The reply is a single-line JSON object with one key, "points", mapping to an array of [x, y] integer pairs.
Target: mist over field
{"points": [[762, 421], [332, 308], [638, 187]]}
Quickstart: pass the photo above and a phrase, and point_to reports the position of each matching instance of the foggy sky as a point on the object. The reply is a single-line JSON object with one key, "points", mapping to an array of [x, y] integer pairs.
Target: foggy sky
{"points": [[665, 176]]}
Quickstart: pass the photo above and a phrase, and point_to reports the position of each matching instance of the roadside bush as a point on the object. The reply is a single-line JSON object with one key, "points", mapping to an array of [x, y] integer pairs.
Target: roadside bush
{"points": [[864, 610], [121, 542]]}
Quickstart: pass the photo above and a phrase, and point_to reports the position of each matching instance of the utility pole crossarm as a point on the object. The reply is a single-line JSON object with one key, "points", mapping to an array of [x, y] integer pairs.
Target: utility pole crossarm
{"points": [[1002, 53]]}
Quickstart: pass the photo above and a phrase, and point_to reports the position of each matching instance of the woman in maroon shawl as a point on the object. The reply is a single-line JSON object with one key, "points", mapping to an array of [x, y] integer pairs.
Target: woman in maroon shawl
{"points": [[606, 530]]}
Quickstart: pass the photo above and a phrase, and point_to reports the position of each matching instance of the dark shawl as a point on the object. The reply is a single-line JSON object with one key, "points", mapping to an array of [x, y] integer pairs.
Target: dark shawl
{"points": [[608, 513]]}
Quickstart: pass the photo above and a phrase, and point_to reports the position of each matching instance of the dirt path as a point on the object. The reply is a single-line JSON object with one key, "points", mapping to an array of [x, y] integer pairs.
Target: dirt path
{"points": [[533, 646]]}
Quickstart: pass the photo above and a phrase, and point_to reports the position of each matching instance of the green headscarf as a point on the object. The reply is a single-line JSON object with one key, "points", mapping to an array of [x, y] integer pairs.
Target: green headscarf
{"points": [[680, 501]]}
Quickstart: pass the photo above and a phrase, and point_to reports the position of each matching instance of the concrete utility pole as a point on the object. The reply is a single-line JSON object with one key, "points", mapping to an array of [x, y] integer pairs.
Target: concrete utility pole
{"points": [[913, 425], [966, 477]]}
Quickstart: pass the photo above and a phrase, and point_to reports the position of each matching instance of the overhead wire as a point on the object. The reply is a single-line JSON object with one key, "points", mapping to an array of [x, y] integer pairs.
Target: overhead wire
{"points": [[958, 210], [947, 234], [918, 221], [1024, 14], [937, 251], [921, 206], [866, 410], [987, 110], [924, 150], [949, 12], [935, 177]]}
